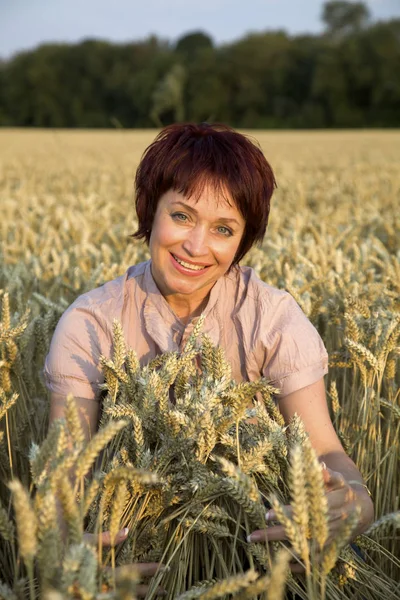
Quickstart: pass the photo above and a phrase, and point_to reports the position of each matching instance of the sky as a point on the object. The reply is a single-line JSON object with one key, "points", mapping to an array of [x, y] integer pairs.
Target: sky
{"points": [[25, 24]]}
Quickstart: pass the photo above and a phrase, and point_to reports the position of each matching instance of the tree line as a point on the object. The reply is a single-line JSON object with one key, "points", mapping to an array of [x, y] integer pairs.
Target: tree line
{"points": [[348, 76]]}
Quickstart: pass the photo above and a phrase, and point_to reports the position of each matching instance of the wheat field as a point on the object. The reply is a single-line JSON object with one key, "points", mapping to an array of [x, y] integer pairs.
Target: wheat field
{"points": [[333, 242]]}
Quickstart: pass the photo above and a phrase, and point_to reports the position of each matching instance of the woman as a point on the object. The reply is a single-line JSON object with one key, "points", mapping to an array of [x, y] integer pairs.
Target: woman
{"points": [[202, 199]]}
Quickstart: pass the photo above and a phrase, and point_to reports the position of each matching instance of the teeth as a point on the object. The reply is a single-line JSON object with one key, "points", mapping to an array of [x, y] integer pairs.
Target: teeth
{"points": [[187, 265]]}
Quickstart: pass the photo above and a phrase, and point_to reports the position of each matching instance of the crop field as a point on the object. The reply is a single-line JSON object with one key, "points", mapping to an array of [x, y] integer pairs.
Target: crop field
{"points": [[191, 480]]}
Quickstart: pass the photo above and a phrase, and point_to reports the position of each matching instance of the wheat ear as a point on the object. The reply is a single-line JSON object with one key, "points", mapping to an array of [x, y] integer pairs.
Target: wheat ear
{"points": [[229, 586], [96, 445], [26, 521]]}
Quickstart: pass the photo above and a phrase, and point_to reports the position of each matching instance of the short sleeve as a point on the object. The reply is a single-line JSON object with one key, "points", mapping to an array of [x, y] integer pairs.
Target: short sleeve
{"points": [[72, 364], [295, 355]]}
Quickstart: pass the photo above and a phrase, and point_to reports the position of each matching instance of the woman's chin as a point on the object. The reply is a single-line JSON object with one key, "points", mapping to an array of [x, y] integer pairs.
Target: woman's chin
{"points": [[184, 288], [171, 281], [179, 284]]}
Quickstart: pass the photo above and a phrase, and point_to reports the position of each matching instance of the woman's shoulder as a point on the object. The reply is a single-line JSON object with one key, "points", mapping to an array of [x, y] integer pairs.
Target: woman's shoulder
{"points": [[84, 333], [253, 290], [102, 305], [112, 291], [265, 309], [282, 343]]}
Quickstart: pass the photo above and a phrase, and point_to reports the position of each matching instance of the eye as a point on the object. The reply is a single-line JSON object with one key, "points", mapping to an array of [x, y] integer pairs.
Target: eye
{"points": [[224, 230], [179, 217]]}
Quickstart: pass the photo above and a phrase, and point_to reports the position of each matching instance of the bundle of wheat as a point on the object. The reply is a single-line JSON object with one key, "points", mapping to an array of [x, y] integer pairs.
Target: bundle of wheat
{"points": [[190, 478]]}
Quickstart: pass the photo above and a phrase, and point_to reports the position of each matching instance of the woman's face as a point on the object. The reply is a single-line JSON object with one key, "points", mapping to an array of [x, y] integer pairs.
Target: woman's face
{"points": [[193, 243]]}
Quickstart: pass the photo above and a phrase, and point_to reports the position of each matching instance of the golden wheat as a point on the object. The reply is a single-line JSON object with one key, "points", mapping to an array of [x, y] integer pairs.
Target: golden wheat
{"points": [[333, 242]]}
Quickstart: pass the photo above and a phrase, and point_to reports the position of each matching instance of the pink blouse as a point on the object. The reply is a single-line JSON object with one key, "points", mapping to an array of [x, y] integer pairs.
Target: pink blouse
{"points": [[262, 330]]}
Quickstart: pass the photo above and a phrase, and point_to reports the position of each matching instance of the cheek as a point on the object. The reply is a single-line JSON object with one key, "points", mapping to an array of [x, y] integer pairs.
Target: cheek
{"points": [[163, 233], [228, 252]]}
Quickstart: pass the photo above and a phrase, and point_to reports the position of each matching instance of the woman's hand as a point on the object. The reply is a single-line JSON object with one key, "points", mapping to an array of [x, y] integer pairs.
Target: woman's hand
{"points": [[343, 501], [143, 569]]}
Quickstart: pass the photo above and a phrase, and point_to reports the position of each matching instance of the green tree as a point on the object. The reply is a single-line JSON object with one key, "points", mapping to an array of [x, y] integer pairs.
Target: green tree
{"points": [[295, 105], [190, 44], [206, 94], [347, 77], [330, 90], [342, 18], [91, 84], [167, 98], [255, 69], [371, 61]]}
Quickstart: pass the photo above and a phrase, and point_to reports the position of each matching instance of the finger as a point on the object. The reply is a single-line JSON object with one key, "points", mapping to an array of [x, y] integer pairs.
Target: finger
{"points": [[296, 567], [336, 518], [149, 569], [333, 479], [141, 569], [339, 504], [105, 538], [271, 514], [344, 499], [272, 534]]}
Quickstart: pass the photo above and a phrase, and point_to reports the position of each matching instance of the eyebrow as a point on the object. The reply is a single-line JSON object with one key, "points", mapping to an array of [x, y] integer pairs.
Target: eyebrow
{"points": [[191, 209]]}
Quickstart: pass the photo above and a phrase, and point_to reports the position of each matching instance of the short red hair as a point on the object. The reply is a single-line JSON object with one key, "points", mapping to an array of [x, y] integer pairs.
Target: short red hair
{"points": [[186, 157]]}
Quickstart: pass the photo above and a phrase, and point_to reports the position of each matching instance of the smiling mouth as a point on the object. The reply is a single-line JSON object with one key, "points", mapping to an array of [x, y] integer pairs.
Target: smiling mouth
{"points": [[191, 266]]}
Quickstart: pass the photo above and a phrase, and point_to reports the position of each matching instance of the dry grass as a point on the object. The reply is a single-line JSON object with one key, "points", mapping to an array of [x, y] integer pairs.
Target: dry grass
{"points": [[333, 242]]}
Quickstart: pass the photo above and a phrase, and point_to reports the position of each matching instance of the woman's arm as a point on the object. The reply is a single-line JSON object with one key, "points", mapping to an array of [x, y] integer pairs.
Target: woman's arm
{"points": [[88, 412], [344, 484], [311, 406], [89, 415]]}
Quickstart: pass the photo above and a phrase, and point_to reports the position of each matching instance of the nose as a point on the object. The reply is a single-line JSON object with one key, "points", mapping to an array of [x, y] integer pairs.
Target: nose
{"points": [[195, 243]]}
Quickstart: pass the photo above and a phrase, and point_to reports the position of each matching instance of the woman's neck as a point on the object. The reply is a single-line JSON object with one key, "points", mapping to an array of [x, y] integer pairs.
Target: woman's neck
{"points": [[187, 309]]}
